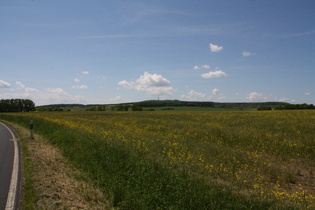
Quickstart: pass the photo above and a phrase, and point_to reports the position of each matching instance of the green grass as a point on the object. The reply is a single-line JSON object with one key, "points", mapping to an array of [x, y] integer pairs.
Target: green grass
{"points": [[28, 190], [187, 160]]}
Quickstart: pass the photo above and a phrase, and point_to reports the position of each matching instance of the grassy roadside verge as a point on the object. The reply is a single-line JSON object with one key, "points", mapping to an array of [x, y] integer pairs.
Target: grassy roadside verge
{"points": [[50, 181], [131, 179]]}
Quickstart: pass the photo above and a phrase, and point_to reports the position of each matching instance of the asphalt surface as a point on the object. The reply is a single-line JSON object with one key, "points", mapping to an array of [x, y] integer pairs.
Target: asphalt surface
{"points": [[10, 169]]}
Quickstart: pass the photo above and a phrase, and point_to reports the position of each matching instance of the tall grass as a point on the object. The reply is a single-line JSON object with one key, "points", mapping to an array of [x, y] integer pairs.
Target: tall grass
{"points": [[189, 160]]}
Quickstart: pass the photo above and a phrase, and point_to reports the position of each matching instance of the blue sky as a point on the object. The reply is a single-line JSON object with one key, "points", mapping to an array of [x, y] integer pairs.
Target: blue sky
{"points": [[80, 51]]}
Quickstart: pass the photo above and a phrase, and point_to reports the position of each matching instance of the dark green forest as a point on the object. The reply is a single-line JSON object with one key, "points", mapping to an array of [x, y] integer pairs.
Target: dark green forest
{"points": [[161, 103], [16, 105]]}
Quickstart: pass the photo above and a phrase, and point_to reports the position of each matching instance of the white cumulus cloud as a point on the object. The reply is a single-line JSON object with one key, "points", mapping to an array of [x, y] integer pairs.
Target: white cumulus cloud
{"points": [[4, 84], [126, 84], [215, 48], [205, 67], [152, 84], [193, 95], [215, 91], [213, 74], [76, 80], [216, 95], [85, 72], [196, 67], [254, 96]]}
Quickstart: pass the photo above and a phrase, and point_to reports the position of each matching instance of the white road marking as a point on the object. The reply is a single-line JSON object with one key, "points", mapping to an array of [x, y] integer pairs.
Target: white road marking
{"points": [[14, 176]]}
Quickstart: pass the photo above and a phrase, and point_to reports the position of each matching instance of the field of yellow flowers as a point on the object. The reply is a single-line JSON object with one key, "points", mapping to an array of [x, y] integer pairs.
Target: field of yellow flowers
{"points": [[262, 158]]}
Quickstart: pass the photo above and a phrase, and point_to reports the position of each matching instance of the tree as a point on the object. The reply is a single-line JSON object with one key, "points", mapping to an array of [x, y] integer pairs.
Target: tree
{"points": [[264, 107], [279, 108], [136, 108], [16, 105]]}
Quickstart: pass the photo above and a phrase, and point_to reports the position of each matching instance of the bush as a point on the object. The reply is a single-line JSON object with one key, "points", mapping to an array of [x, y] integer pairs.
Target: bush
{"points": [[264, 107]]}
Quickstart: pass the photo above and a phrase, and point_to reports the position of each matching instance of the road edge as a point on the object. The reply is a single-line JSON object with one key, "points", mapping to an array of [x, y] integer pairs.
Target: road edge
{"points": [[13, 190]]}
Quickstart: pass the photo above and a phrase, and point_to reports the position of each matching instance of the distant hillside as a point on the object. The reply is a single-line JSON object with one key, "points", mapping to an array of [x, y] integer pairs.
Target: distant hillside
{"points": [[62, 105], [159, 103], [162, 103]]}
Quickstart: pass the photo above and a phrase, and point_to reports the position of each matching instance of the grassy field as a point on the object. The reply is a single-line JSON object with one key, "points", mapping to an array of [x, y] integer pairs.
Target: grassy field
{"points": [[192, 108], [189, 160]]}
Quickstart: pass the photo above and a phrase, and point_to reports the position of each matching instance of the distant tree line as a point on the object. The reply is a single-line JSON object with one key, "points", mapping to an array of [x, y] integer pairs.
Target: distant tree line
{"points": [[264, 107], [51, 109], [16, 105], [54, 106], [158, 103], [295, 106], [161, 103], [96, 108], [125, 107]]}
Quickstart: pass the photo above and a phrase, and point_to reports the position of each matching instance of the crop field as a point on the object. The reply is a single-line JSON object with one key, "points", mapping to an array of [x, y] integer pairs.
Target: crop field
{"points": [[189, 160]]}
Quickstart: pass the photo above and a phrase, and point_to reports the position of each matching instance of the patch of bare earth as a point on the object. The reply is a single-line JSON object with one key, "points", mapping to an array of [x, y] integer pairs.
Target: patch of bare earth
{"points": [[57, 184]]}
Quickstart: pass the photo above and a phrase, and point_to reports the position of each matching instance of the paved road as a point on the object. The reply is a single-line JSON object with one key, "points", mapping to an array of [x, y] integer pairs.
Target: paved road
{"points": [[10, 169]]}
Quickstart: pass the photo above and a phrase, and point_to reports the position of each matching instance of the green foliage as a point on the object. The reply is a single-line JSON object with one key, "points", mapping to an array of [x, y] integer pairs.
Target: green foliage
{"points": [[298, 106], [50, 109], [177, 103], [136, 108], [120, 107], [96, 108], [279, 107], [28, 188], [16, 105], [264, 107]]}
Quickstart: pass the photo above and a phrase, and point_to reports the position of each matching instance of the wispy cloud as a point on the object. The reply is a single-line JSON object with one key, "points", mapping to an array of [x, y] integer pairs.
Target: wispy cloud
{"points": [[300, 34], [205, 67], [85, 72], [4, 84], [80, 87], [213, 74], [115, 99], [198, 30], [143, 12], [162, 31], [113, 36], [26, 89], [246, 54], [255, 96], [56, 91]]}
